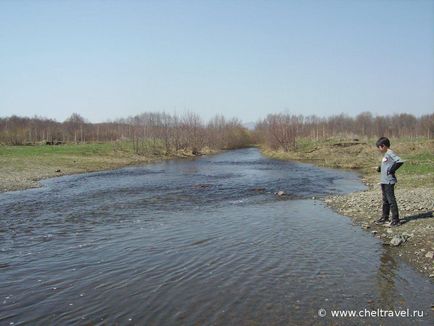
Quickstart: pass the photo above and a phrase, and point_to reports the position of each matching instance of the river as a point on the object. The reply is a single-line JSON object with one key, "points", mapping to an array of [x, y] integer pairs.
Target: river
{"points": [[197, 242]]}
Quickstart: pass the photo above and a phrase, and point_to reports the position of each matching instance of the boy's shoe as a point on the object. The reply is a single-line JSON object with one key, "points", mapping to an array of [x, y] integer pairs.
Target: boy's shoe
{"points": [[381, 221], [394, 223]]}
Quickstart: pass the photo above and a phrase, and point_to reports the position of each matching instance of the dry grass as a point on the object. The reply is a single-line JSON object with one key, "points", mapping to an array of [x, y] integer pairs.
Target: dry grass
{"points": [[418, 169]]}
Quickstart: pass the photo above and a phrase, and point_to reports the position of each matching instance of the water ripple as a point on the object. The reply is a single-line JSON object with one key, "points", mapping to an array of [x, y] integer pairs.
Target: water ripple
{"points": [[201, 241]]}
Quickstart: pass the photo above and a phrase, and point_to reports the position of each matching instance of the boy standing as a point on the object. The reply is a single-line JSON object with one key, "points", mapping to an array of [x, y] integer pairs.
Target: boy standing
{"points": [[390, 163]]}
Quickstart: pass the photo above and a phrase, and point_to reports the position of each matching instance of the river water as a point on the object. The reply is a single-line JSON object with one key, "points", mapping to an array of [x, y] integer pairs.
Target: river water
{"points": [[197, 242]]}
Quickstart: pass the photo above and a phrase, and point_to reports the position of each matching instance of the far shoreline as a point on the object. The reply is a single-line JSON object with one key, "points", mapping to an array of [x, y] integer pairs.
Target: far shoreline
{"points": [[23, 172]]}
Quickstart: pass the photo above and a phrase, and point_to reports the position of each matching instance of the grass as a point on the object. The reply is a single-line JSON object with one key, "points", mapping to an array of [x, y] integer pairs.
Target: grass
{"points": [[107, 149], [68, 149], [418, 164], [68, 158], [22, 166], [418, 170]]}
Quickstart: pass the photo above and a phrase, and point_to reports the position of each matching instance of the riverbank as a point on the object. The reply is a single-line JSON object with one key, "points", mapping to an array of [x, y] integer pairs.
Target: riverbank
{"points": [[200, 238], [22, 167], [414, 240]]}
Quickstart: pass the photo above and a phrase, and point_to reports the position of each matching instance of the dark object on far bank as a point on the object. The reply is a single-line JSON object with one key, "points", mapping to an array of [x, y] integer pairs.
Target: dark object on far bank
{"points": [[196, 152], [54, 143]]}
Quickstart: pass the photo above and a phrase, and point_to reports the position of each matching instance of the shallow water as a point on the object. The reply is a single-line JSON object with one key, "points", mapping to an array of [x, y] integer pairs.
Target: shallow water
{"points": [[196, 242]]}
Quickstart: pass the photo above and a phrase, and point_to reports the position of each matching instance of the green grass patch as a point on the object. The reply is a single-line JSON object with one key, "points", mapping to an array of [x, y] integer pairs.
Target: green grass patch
{"points": [[422, 163], [67, 149]]}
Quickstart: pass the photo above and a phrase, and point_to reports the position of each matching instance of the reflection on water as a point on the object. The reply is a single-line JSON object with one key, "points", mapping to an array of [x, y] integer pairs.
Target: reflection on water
{"points": [[386, 280], [190, 242]]}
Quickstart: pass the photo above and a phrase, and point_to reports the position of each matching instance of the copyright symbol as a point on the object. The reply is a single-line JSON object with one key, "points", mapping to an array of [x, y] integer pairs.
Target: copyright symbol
{"points": [[322, 312]]}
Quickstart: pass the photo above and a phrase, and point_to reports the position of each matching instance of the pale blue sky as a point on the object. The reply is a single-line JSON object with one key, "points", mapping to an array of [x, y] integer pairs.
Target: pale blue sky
{"points": [[245, 59]]}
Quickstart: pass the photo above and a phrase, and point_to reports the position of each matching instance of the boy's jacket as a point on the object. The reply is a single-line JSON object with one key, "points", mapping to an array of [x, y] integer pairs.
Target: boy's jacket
{"points": [[390, 163]]}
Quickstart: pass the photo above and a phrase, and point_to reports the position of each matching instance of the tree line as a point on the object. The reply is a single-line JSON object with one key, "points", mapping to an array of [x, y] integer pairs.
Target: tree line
{"points": [[147, 132], [280, 131], [173, 132]]}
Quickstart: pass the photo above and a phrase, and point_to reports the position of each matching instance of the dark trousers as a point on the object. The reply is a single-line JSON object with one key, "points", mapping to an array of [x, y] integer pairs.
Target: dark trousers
{"points": [[389, 202]]}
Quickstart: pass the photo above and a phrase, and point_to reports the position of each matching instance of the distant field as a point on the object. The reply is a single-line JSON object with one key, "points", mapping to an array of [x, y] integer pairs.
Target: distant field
{"points": [[22, 166], [67, 149]]}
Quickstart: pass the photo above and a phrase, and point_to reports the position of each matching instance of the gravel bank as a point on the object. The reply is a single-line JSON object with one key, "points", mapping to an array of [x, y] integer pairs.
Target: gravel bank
{"points": [[414, 240]]}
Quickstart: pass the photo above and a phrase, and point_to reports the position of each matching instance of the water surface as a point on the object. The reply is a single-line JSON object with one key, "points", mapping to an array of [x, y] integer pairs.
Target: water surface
{"points": [[196, 242]]}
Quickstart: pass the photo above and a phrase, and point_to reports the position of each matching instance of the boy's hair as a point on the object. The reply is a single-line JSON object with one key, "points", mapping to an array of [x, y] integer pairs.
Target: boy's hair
{"points": [[383, 141]]}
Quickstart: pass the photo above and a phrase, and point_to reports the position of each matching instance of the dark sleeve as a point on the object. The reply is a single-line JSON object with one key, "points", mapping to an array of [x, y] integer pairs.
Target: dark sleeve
{"points": [[379, 168], [395, 167]]}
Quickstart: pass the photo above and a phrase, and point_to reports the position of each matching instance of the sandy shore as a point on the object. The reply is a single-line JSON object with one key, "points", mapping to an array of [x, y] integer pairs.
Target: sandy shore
{"points": [[413, 240]]}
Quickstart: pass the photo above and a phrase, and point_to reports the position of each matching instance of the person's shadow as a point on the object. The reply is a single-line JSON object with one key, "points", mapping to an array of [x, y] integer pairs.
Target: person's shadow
{"points": [[428, 214]]}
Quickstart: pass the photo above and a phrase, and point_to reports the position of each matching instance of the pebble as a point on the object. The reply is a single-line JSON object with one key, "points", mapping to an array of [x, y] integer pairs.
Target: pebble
{"points": [[397, 240], [430, 255]]}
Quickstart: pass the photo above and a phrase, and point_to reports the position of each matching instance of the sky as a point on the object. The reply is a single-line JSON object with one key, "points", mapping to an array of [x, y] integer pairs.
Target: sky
{"points": [[111, 59]]}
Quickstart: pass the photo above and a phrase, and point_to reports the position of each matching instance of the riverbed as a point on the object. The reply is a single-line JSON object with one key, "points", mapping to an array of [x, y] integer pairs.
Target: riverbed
{"points": [[198, 241]]}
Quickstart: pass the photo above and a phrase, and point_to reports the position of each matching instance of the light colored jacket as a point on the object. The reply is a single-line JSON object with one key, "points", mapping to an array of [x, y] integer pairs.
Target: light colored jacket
{"points": [[389, 159]]}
